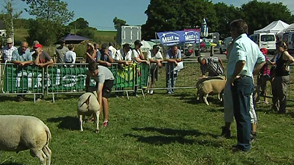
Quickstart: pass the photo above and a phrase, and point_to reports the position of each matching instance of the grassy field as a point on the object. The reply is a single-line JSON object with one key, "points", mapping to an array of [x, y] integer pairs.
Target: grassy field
{"points": [[159, 129]]}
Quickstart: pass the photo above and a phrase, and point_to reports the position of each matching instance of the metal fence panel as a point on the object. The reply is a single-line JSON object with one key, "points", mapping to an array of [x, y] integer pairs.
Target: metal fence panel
{"points": [[19, 80], [61, 78]]}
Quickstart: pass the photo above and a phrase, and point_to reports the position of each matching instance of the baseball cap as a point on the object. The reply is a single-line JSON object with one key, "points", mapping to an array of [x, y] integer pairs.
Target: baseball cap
{"points": [[263, 50], [138, 42], [38, 46], [9, 41]]}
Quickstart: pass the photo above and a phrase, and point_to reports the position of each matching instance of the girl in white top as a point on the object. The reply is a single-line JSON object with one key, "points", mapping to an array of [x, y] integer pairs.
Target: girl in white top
{"points": [[70, 56]]}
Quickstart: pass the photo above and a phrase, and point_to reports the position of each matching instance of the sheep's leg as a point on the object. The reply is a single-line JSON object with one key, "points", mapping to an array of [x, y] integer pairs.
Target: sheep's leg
{"points": [[205, 99], [219, 97], [97, 121], [197, 95], [48, 154], [81, 122], [39, 154]]}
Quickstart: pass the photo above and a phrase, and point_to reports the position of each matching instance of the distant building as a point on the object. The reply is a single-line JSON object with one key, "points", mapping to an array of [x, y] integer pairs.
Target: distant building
{"points": [[2, 29]]}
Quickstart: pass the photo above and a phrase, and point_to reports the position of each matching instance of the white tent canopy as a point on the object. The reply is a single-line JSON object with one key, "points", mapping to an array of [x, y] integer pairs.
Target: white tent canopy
{"points": [[288, 29], [274, 27]]}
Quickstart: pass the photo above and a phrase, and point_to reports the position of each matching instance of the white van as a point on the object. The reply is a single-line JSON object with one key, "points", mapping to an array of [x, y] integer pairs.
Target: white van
{"points": [[288, 37], [224, 45], [265, 40]]}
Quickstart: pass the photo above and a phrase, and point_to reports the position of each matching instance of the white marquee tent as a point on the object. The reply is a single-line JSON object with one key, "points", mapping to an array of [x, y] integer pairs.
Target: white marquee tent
{"points": [[274, 27], [290, 28]]}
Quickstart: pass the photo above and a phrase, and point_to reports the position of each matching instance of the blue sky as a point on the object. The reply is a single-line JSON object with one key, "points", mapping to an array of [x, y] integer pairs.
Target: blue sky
{"points": [[100, 13]]}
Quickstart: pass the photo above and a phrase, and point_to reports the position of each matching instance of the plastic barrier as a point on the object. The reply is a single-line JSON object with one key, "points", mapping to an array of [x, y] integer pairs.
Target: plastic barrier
{"points": [[71, 78], [22, 80]]}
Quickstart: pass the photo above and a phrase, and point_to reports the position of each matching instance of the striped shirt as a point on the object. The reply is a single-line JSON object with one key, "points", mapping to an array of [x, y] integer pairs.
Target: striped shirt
{"points": [[7, 53], [212, 66]]}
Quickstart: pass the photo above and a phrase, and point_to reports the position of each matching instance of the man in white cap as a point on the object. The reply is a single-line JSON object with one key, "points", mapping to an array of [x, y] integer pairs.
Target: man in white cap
{"points": [[7, 50]]}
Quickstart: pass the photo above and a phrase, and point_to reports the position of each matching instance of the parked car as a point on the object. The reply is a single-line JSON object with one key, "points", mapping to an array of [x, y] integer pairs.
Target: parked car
{"points": [[265, 40], [224, 45]]}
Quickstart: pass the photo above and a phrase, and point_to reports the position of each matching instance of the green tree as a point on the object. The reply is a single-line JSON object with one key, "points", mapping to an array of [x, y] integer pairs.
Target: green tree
{"points": [[87, 32], [259, 14], [9, 15], [226, 14], [79, 23], [21, 23], [51, 10], [119, 22], [46, 32], [51, 17], [171, 15]]}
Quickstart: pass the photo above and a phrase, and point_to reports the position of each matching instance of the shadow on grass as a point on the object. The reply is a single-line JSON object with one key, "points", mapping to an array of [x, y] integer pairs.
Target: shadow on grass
{"points": [[168, 131], [216, 110], [11, 163], [14, 98], [8, 98], [160, 140], [291, 113], [67, 122], [67, 96], [191, 99], [172, 136]]}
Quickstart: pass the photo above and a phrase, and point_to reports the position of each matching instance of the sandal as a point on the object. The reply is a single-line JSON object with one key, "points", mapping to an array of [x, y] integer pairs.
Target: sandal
{"points": [[105, 124]]}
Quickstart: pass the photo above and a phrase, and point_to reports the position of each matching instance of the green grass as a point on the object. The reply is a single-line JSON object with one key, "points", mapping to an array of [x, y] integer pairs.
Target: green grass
{"points": [[159, 129]]}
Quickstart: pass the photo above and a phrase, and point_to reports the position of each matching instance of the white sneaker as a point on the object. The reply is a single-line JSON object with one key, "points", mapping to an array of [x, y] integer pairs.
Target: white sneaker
{"points": [[151, 92], [148, 91]]}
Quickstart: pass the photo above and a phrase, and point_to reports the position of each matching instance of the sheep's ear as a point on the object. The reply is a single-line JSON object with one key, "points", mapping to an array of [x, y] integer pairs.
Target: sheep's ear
{"points": [[95, 93]]}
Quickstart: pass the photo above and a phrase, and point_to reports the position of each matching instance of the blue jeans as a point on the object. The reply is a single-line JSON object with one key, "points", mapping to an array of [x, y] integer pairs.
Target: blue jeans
{"points": [[241, 92], [171, 79]]}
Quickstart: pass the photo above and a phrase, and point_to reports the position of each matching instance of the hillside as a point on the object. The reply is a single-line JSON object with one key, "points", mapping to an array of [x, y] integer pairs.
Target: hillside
{"points": [[99, 36]]}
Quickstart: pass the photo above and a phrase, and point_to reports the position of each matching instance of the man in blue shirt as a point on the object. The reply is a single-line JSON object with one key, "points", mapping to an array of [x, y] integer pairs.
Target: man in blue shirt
{"points": [[173, 57], [245, 59], [22, 55]]}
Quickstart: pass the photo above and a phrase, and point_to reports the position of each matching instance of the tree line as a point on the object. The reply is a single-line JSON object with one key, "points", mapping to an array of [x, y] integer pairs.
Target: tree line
{"points": [[171, 15], [53, 18]]}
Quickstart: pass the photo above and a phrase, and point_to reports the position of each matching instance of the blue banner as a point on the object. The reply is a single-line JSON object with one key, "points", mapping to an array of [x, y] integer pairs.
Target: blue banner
{"points": [[192, 36], [176, 37]]}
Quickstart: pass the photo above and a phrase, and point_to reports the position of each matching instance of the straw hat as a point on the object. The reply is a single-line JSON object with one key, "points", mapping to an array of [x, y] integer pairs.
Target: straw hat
{"points": [[9, 41], [90, 44]]}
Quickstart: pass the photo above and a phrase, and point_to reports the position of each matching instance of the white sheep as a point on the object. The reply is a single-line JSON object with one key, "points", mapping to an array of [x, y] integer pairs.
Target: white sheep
{"points": [[213, 86], [18, 133], [88, 105]]}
